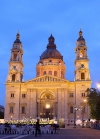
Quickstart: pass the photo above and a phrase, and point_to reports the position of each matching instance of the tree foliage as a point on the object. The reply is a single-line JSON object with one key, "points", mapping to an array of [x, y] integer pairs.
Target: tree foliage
{"points": [[1, 115], [94, 103]]}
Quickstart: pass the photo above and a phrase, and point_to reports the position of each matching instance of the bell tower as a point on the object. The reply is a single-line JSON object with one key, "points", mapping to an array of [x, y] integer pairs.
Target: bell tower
{"points": [[15, 73], [82, 71]]}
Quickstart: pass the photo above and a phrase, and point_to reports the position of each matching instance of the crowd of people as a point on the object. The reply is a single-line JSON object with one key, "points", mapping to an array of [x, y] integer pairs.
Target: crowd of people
{"points": [[94, 125], [19, 128]]}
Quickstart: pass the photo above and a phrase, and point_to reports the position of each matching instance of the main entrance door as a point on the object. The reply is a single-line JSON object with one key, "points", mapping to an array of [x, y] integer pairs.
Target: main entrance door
{"points": [[47, 107]]}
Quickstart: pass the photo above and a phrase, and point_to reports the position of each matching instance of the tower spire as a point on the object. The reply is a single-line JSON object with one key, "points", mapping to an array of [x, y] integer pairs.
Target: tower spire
{"points": [[81, 62], [18, 32], [80, 33], [18, 36], [15, 73], [17, 39]]}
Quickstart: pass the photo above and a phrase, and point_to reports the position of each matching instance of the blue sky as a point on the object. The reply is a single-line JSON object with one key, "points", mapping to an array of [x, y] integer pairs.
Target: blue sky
{"points": [[36, 19]]}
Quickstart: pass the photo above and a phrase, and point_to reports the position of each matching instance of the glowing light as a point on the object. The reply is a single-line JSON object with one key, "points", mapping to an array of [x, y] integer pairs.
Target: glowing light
{"points": [[98, 85], [47, 106], [84, 100]]}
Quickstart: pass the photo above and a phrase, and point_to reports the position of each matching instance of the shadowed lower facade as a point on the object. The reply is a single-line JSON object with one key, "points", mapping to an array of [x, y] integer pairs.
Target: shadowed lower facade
{"points": [[50, 94]]}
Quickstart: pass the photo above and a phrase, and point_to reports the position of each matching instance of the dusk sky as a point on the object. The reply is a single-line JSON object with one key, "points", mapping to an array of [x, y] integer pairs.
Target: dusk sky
{"points": [[35, 20]]}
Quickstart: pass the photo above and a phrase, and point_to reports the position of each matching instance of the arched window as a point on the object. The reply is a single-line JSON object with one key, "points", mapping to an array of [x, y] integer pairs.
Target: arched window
{"points": [[62, 74], [12, 95], [50, 72], [83, 76], [11, 109], [81, 53], [44, 72], [13, 77], [23, 95], [15, 57], [55, 73], [50, 60], [71, 109], [23, 109]]}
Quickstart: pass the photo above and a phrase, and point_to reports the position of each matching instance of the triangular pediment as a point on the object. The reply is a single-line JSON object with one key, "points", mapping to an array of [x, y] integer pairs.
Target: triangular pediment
{"points": [[47, 78]]}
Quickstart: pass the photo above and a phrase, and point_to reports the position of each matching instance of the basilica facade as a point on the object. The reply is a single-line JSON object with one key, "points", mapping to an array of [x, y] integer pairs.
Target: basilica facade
{"points": [[50, 94]]}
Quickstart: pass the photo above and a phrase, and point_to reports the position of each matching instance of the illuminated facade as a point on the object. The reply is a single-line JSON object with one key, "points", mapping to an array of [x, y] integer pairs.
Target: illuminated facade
{"points": [[50, 94]]}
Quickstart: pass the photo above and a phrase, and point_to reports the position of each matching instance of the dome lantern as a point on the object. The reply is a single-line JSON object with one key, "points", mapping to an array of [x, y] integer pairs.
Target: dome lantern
{"points": [[51, 39], [51, 51]]}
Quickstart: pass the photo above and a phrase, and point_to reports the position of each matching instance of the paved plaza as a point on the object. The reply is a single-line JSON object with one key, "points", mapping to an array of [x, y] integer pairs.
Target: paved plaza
{"points": [[70, 133]]}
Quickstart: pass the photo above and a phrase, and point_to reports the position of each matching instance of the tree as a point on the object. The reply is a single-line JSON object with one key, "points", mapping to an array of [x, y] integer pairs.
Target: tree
{"points": [[1, 115], [94, 103]]}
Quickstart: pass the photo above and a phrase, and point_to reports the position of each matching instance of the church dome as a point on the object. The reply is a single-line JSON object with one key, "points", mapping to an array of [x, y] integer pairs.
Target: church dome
{"points": [[51, 51]]}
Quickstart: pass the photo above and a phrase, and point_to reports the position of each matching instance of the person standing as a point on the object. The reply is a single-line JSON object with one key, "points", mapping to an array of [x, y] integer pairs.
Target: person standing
{"points": [[37, 128]]}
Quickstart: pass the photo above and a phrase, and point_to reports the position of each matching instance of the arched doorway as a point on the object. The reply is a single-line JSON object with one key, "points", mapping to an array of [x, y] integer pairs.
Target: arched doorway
{"points": [[47, 106]]}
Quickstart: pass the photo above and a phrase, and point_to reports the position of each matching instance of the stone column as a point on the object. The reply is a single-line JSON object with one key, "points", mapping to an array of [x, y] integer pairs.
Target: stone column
{"points": [[66, 106], [36, 104], [38, 109], [56, 109], [59, 111], [31, 103], [28, 104], [63, 103], [33, 109]]}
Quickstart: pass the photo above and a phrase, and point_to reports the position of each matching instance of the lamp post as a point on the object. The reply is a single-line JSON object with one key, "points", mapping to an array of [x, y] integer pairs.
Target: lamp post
{"points": [[83, 111], [74, 117], [75, 109]]}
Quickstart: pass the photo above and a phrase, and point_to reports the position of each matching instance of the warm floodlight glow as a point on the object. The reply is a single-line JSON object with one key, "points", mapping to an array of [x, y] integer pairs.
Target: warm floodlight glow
{"points": [[84, 100], [47, 106], [11, 117], [98, 85]]}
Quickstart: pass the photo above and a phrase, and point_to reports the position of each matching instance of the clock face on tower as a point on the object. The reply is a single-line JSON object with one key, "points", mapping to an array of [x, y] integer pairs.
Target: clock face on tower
{"points": [[82, 65]]}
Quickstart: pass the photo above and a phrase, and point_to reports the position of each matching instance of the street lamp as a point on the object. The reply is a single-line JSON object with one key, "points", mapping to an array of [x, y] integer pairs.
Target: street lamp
{"points": [[86, 104], [74, 118], [83, 111], [75, 109]]}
